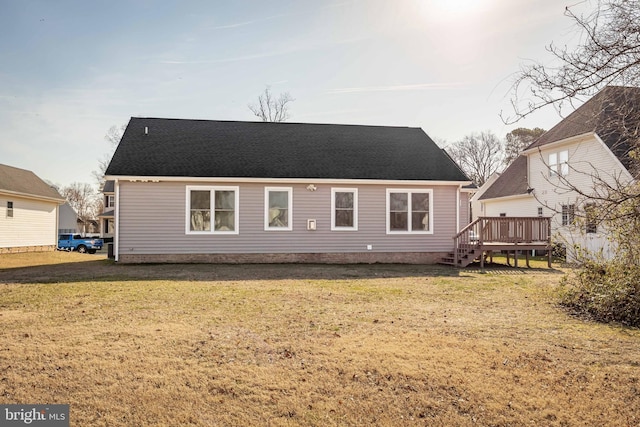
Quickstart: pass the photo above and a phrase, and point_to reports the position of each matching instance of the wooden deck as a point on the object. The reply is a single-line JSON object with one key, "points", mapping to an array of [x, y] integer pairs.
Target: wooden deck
{"points": [[484, 236]]}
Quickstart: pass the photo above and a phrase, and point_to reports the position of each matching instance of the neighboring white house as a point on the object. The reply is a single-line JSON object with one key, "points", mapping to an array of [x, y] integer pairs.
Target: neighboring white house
{"points": [[106, 218], [477, 208], [223, 191], [28, 212], [581, 152]]}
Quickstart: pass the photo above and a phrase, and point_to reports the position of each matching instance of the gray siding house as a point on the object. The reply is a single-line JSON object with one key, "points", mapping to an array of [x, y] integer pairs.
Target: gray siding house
{"points": [[241, 192]]}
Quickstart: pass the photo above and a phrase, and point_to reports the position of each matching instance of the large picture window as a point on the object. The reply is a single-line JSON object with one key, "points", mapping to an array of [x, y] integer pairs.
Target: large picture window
{"points": [[212, 210], [409, 211], [278, 209], [344, 209]]}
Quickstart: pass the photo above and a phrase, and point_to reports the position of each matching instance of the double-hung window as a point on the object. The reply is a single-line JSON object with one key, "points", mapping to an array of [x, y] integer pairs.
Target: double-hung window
{"points": [[591, 218], [568, 214], [409, 211], [9, 209], [110, 201], [278, 208], [212, 210], [559, 163], [344, 209]]}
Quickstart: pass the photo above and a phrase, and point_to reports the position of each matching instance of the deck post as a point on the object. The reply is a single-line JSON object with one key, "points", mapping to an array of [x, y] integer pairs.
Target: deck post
{"points": [[515, 254], [550, 251]]}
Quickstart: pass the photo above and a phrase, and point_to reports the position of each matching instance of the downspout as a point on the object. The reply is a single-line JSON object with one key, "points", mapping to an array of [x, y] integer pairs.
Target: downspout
{"points": [[116, 219], [458, 209]]}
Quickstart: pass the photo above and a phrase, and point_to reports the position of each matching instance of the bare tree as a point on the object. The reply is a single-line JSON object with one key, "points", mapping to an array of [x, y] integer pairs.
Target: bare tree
{"points": [[270, 108], [517, 140], [479, 155], [113, 137], [84, 200], [608, 53]]}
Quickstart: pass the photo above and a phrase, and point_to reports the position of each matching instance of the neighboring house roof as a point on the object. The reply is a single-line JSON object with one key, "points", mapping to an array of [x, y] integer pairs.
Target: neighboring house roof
{"points": [[108, 187], [205, 148], [512, 182], [26, 183], [107, 214], [608, 112]]}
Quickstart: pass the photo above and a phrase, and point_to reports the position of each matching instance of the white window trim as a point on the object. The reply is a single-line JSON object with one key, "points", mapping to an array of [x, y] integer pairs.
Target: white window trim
{"points": [[289, 190], [563, 163], [560, 164], [553, 164], [333, 209], [212, 189], [409, 213], [111, 200]]}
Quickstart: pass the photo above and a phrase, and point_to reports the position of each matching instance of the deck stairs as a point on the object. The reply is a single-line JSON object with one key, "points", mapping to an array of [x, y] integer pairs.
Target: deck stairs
{"points": [[467, 254]]}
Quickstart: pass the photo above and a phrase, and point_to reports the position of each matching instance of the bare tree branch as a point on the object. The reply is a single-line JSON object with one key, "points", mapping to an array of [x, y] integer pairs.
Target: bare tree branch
{"points": [[608, 54], [271, 109], [83, 199], [478, 155], [113, 137]]}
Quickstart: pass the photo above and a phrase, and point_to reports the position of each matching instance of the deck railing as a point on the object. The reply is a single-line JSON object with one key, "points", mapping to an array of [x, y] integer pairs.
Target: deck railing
{"points": [[504, 229]]}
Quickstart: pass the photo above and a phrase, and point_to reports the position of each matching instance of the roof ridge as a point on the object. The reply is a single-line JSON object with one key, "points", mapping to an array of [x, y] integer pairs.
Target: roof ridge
{"points": [[275, 123]]}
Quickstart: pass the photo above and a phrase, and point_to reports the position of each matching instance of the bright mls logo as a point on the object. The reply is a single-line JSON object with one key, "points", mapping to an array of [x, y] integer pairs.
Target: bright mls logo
{"points": [[34, 415]]}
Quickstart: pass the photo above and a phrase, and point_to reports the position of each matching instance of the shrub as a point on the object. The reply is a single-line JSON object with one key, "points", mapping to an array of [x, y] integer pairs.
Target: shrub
{"points": [[604, 291]]}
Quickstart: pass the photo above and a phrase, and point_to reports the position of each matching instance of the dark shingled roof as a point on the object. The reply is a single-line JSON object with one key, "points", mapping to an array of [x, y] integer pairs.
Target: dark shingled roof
{"points": [[229, 149], [513, 181], [22, 181], [613, 113]]}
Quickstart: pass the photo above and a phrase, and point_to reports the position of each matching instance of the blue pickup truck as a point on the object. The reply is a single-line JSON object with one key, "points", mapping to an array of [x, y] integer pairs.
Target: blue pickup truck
{"points": [[75, 242]]}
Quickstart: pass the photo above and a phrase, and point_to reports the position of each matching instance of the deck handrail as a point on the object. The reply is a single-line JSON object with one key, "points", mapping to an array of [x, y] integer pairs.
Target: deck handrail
{"points": [[503, 229]]}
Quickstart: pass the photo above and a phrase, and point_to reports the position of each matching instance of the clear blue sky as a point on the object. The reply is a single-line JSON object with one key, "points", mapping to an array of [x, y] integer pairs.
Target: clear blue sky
{"points": [[69, 70]]}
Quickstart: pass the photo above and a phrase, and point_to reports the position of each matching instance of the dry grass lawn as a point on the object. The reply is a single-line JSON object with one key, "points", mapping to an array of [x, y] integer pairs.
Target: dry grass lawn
{"points": [[309, 345]]}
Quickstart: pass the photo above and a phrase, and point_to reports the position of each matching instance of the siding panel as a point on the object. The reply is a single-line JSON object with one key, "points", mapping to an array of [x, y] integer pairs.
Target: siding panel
{"points": [[33, 223], [152, 221]]}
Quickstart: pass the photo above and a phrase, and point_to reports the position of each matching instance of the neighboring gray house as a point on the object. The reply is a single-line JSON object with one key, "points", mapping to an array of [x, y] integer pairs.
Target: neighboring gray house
{"points": [[28, 212], [225, 191]]}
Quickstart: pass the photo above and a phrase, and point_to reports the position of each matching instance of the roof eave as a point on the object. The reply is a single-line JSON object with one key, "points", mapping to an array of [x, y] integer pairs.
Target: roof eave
{"points": [[134, 178], [565, 141], [59, 201], [509, 197]]}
